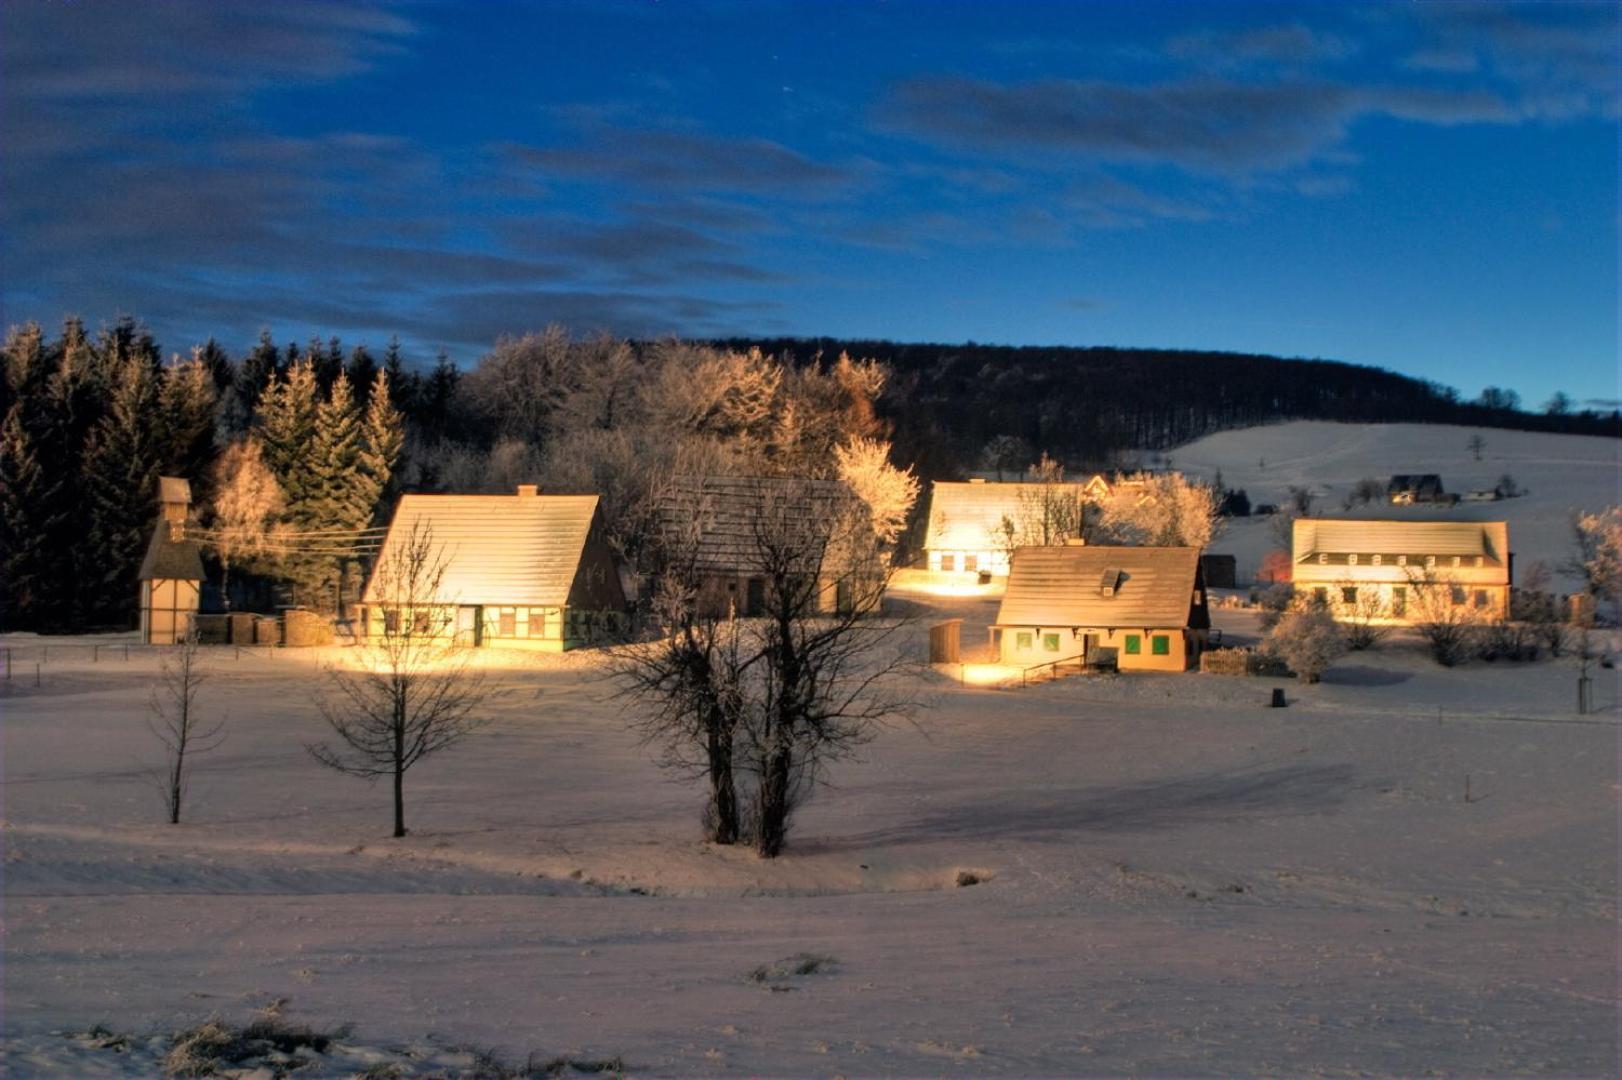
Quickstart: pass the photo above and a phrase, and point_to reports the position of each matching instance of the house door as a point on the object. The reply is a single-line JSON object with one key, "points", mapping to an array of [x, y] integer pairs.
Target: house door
{"points": [[1089, 648], [755, 599], [469, 626]]}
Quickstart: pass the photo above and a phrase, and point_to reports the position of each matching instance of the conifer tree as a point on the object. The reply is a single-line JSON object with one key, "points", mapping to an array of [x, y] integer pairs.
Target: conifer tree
{"points": [[120, 474], [382, 439], [28, 503], [253, 376], [186, 419], [362, 372], [286, 422]]}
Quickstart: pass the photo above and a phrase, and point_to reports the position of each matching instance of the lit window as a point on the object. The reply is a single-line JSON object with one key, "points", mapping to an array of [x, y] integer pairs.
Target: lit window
{"points": [[948, 562], [1134, 644], [507, 623], [537, 622], [1160, 645], [971, 562]]}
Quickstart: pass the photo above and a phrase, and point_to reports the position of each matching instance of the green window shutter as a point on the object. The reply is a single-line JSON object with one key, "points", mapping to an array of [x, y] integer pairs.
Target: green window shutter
{"points": [[1050, 642], [1160, 645], [1134, 644]]}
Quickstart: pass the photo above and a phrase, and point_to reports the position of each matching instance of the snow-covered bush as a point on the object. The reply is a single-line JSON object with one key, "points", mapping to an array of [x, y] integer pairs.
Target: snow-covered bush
{"points": [[1308, 641]]}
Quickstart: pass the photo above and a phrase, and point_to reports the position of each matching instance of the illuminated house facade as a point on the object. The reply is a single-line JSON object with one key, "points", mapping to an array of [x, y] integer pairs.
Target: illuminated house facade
{"points": [[1392, 571], [1141, 608], [521, 571], [969, 522], [171, 574]]}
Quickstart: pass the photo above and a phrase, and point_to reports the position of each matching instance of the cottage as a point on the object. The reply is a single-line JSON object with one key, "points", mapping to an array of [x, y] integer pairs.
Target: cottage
{"points": [[1405, 489], [970, 524], [171, 573], [714, 528], [521, 571], [1142, 608], [1377, 569]]}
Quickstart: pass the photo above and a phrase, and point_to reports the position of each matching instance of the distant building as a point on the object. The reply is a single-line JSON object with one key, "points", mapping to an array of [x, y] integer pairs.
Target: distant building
{"points": [[1405, 489], [1141, 608], [171, 573], [1220, 571], [1377, 567], [521, 571], [714, 526], [974, 524]]}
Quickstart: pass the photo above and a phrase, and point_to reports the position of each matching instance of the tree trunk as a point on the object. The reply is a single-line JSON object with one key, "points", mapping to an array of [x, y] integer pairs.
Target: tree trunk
{"points": [[399, 801], [723, 795], [774, 805]]}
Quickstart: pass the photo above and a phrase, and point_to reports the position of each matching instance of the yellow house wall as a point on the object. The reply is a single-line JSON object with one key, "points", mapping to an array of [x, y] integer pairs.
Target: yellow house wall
{"points": [[1381, 582], [1072, 643], [167, 607], [562, 629]]}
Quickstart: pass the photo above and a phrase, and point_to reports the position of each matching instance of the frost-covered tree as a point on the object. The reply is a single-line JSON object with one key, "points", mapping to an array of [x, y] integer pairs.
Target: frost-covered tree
{"points": [[246, 505], [382, 438], [1598, 559], [1308, 641], [888, 492], [1443, 616], [1170, 510]]}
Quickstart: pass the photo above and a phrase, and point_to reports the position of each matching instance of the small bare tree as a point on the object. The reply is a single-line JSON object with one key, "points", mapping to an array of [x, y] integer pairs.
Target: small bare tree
{"points": [[409, 694], [1048, 511], [177, 723], [1444, 618], [1476, 444], [1362, 619]]}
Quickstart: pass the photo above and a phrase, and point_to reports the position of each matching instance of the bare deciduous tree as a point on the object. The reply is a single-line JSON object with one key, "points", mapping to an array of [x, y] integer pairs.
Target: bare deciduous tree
{"points": [[1363, 618], [1048, 510], [1443, 617], [409, 693], [178, 724]]}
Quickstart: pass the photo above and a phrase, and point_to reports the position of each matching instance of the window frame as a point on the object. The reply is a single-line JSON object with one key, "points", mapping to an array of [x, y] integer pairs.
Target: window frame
{"points": [[1132, 645], [1160, 644]]}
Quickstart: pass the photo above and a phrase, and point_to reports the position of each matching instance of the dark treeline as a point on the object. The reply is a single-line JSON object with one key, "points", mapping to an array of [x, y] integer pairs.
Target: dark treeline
{"points": [[1087, 405]]}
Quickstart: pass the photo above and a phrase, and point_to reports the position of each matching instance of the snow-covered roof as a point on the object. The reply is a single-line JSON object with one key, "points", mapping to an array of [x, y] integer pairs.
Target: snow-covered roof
{"points": [[168, 559], [1325, 536], [713, 520], [521, 549], [1099, 586]]}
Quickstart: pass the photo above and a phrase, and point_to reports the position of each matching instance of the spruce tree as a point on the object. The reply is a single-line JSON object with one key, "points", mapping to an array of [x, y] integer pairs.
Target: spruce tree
{"points": [[120, 475], [286, 423], [29, 508], [186, 420], [336, 498], [382, 439], [362, 372], [252, 377]]}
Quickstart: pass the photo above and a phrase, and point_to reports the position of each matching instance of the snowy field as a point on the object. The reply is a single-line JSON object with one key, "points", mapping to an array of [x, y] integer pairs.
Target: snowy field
{"points": [[1174, 880], [1560, 473]]}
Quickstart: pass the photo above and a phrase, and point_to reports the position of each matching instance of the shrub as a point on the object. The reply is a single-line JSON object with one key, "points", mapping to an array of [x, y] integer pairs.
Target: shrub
{"points": [[1308, 641]]}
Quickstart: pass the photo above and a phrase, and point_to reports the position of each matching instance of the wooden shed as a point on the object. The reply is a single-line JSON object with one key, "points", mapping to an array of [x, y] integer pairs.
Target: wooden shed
{"points": [[171, 574], [521, 571], [1142, 608]]}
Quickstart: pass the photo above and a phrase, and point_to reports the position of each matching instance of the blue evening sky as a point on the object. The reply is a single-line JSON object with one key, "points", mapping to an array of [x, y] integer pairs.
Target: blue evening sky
{"points": [[1426, 187]]}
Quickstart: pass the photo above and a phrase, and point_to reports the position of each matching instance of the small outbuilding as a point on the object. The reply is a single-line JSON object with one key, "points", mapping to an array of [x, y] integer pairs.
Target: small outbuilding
{"points": [[520, 571], [1139, 608], [1405, 489], [171, 574]]}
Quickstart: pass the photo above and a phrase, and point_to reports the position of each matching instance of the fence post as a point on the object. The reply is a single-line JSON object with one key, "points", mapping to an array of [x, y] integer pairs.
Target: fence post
{"points": [[8, 663], [36, 674], [126, 654], [1585, 687], [95, 654]]}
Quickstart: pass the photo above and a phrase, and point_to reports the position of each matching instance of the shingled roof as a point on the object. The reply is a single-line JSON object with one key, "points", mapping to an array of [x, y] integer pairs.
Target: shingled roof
{"points": [[168, 559], [1098, 586], [967, 516], [719, 515], [521, 549], [1320, 536]]}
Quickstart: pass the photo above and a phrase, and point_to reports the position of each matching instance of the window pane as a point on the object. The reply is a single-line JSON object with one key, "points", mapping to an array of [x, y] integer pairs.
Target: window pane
{"points": [[1160, 645], [971, 562], [508, 623], [948, 562], [1348, 595]]}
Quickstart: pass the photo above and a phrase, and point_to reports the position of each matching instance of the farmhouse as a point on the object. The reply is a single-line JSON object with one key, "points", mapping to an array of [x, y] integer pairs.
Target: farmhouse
{"points": [[1142, 608], [521, 571], [720, 531], [973, 525], [171, 573], [1398, 571], [1405, 489]]}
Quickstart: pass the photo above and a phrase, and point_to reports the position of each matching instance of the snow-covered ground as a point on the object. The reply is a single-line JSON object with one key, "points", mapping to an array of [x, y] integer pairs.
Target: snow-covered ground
{"points": [[1175, 880], [1560, 473]]}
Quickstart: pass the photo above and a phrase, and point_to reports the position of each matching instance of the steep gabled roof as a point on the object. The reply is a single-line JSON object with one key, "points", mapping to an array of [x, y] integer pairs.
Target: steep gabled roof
{"points": [[1332, 536], [168, 559], [713, 520], [1098, 586], [967, 516], [498, 549]]}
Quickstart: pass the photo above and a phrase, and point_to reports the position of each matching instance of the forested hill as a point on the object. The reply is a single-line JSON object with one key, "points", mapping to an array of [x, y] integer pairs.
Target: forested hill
{"points": [[948, 402]]}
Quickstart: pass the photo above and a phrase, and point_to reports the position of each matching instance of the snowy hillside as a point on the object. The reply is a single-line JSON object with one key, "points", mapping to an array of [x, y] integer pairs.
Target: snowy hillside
{"points": [[1560, 474]]}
